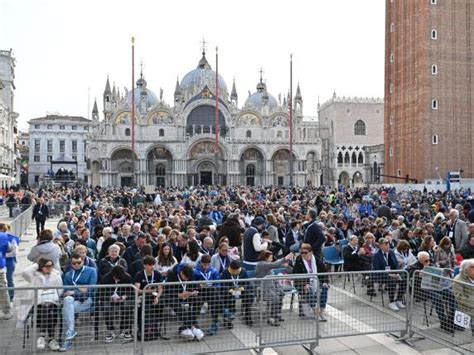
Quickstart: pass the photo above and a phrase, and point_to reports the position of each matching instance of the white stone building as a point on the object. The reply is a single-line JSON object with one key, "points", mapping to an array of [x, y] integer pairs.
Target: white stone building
{"points": [[356, 126], [57, 142], [175, 143], [9, 170]]}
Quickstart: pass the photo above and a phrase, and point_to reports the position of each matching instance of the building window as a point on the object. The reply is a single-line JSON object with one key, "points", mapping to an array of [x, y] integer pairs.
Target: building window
{"points": [[434, 69], [359, 128], [37, 145], [74, 157], [86, 128], [62, 127], [279, 134], [127, 132], [434, 34], [392, 57], [37, 126], [62, 146], [74, 127], [434, 139], [392, 27], [74, 146], [36, 158], [161, 132], [37, 178], [347, 159], [50, 126], [391, 151], [248, 134], [391, 120], [339, 159], [434, 104], [49, 158], [399, 172], [50, 145], [434, 2], [392, 88]]}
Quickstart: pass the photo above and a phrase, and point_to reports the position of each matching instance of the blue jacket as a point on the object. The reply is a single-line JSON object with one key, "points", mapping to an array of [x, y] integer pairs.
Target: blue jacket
{"points": [[380, 263], [86, 276], [200, 275], [314, 236]]}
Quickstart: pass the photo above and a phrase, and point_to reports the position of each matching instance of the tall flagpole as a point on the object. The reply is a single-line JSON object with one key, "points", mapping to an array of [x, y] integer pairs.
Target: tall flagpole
{"points": [[216, 121], [133, 111], [291, 119]]}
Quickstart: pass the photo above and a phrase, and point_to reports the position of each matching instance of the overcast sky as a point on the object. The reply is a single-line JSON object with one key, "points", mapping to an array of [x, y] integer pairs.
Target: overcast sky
{"points": [[63, 48]]}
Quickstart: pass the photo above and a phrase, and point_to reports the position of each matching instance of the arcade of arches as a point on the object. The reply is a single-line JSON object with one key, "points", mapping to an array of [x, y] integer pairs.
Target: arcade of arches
{"points": [[205, 166]]}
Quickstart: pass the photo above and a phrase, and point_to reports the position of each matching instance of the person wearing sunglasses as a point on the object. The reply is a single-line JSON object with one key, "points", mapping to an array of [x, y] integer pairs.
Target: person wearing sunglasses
{"points": [[48, 282], [77, 299]]}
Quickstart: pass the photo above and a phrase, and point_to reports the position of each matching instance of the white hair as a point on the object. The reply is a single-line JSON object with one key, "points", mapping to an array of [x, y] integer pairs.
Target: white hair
{"points": [[137, 225], [62, 224], [114, 246], [422, 253], [107, 230], [352, 237], [455, 212], [466, 264]]}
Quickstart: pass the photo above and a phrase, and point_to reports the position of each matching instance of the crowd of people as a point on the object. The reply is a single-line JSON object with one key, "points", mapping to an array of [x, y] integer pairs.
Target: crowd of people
{"points": [[124, 237]]}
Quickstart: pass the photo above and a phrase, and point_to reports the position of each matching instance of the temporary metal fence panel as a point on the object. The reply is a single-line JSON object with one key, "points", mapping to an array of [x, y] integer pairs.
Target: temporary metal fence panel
{"points": [[223, 315], [357, 303], [442, 309], [22, 221], [98, 318]]}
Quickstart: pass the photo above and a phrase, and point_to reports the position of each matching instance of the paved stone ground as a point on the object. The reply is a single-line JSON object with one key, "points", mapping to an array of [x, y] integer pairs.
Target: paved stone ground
{"points": [[349, 313]]}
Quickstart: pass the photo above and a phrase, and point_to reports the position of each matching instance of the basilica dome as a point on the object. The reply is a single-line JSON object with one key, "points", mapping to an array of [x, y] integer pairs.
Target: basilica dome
{"points": [[197, 79], [150, 97], [260, 99]]}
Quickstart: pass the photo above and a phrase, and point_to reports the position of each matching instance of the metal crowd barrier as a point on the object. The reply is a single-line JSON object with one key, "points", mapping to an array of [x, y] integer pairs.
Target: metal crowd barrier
{"points": [[50, 315], [442, 309], [211, 316], [358, 303], [22, 221]]}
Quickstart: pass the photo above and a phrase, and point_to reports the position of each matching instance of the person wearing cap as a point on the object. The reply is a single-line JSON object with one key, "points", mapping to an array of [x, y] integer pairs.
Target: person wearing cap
{"points": [[253, 243], [237, 289]]}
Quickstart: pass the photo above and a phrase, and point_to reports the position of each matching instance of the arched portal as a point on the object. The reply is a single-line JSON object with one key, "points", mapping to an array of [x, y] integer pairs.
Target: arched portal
{"points": [[281, 166], [344, 179], [121, 161], [357, 179], [252, 167], [159, 166], [206, 166]]}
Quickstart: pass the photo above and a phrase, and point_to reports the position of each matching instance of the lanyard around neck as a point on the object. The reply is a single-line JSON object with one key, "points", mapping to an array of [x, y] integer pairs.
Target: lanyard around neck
{"points": [[152, 277], [74, 281]]}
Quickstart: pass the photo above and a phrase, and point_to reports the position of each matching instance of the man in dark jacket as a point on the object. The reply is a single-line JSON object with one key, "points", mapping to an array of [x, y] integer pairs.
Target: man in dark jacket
{"points": [[314, 235], [205, 220], [40, 214], [385, 259], [183, 299]]}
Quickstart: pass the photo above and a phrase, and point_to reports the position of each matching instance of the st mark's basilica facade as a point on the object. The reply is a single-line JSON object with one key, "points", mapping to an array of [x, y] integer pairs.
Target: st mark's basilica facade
{"points": [[174, 144]]}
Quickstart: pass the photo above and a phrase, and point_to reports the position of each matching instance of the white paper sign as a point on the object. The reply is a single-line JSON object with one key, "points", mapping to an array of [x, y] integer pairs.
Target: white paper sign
{"points": [[462, 319]]}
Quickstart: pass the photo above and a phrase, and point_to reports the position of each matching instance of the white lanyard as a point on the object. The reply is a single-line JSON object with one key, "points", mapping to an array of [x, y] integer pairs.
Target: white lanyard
{"points": [[152, 277], [78, 276], [223, 263], [235, 278], [182, 285], [385, 258], [113, 264], [207, 275]]}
